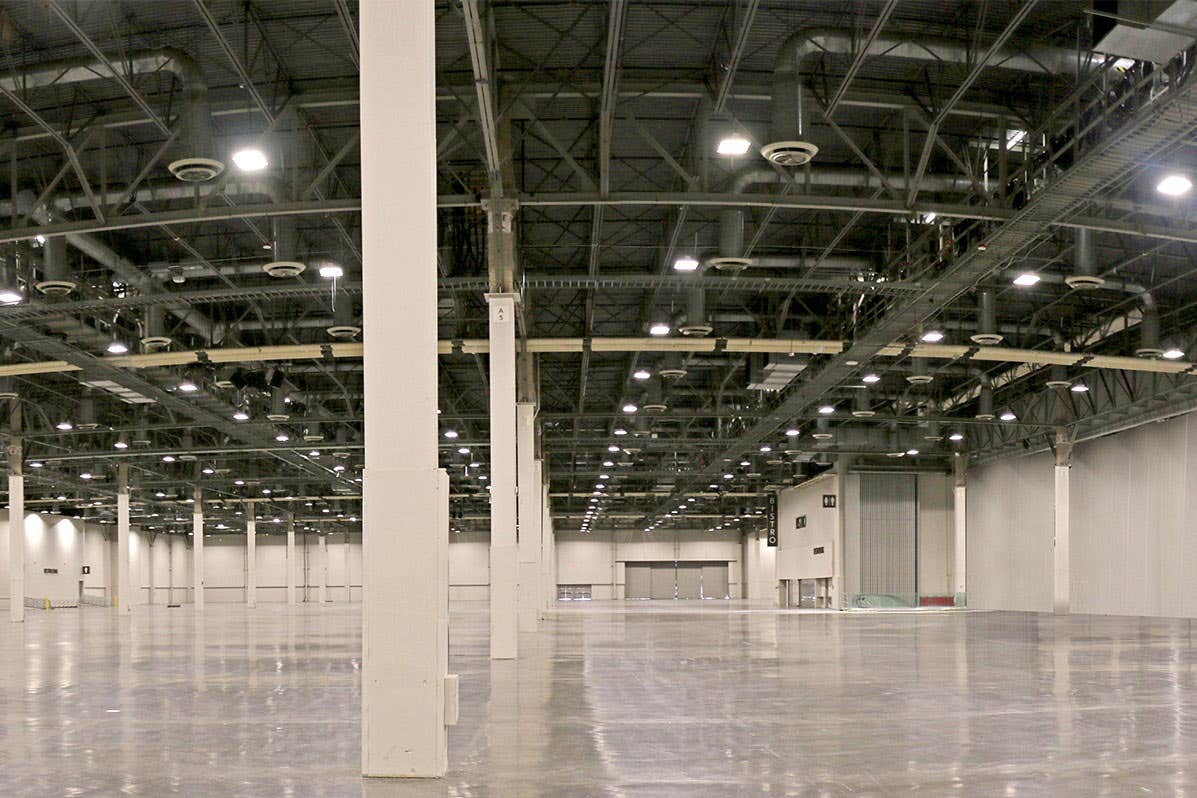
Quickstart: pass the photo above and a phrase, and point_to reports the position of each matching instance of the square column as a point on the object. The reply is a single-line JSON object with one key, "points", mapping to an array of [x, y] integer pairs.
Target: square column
{"points": [[1061, 570], [406, 692], [251, 558], [16, 546], [16, 517], [322, 569], [124, 589], [197, 548], [960, 525], [548, 551], [504, 561], [292, 566], [528, 504]]}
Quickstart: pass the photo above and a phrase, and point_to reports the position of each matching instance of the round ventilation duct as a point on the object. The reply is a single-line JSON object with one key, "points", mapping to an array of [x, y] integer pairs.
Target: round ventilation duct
{"points": [[986, 334], [344, 324], [696, 323], [919, 372], [786, 146], [56, 274], [1149, 331], [196, 161], [285, 262], [278, 404], [154, 333], [673, 368], [985, 404], [861, 407], [1084, 275], [731, 242]]}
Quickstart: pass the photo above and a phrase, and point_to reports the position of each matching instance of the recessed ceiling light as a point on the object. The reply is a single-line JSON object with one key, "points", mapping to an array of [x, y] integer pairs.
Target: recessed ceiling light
{"points": [[450, 434], [641, 374], [685, 263], [331, 271], [1007, 415], [792, 433], [827, 410], [65, 426], [932, 336], [1173, 353], [956, 436], [188, 386], [869, 379], [659, 328], [1174, 185], [250, 159], [1026, 279], [630, 408], [116, 347], [1079, 387]]}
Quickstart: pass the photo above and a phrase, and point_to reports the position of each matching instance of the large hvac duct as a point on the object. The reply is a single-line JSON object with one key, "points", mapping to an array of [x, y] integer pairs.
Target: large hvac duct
{"points": [[56, 272], [1084, 275], [696, 322], [195, 158], [987, 329], [786, 146]]}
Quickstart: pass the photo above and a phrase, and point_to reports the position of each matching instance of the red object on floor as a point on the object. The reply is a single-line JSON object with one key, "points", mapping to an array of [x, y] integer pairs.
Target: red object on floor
{"points": [[937, 601]]}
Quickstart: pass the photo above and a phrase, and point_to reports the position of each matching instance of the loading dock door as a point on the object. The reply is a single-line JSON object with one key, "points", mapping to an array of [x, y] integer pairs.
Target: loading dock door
{"points": [[664, 580], [637, 580], [714, 580], [689, 581]]}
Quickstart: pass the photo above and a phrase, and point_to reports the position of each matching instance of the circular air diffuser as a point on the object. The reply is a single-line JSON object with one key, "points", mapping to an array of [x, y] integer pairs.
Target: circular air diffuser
{"points": [[919, 379], [730, 264], [195, 170], [863, 414], [1149, 351], [56, 287], [1084, 282], [696, 330], [343, 331], [672, 373], [789, 153], [151, 342], [284, 268], [986, 339], [654, 407]]}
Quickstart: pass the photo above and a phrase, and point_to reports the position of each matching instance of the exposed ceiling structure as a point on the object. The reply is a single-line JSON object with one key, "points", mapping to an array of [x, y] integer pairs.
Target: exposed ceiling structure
{"points": [[751, 239]]}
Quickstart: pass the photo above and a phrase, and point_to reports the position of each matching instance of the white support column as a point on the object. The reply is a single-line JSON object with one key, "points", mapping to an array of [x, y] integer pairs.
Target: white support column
{"points": [[1062, 598], [292, 565], [16, 518], [251, 557], [838, 598], [124, 588], [405, 525], [322, 569], [548, 554], [528, 480], [960, 518], [504, 562], [197, 548]]}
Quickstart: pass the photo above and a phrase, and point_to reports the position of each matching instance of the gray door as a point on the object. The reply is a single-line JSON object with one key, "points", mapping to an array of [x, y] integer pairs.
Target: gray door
{"points": [[714, 580], [888, 533], [689, 581], [637, 580], [664, 580]]}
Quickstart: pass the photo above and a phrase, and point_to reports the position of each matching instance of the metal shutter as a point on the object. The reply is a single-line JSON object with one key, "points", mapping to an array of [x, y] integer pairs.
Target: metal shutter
{"points": [[888, 533]]}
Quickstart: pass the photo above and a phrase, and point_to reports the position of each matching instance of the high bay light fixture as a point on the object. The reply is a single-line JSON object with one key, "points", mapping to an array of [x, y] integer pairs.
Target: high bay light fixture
{"points": [[1174, 185]]}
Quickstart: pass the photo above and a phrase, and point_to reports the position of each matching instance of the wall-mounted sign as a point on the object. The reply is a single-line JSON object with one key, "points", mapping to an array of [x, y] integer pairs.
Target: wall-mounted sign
{"points": [[818, 550], [49, 570], [86, 570], [800, 522], [771, 522], [829, 500]]}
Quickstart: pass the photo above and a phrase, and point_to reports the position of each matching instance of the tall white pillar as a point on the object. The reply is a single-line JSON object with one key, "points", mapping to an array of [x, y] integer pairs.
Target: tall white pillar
{"points": [[405, 524], [504, 561], [124, 588], [1062, 597], [960, 519], [292, 565], [16, 521], [251, 557], [322, 568], [528, 504], [197, 548], [548, 554]]}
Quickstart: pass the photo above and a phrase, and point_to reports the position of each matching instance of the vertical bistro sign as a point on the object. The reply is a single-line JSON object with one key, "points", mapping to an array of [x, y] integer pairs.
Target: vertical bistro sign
{"points": [[771, 530]]}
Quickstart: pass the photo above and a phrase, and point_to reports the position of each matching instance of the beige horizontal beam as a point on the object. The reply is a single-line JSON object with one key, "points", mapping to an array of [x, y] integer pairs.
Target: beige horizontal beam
{"points": [[352, 350]]}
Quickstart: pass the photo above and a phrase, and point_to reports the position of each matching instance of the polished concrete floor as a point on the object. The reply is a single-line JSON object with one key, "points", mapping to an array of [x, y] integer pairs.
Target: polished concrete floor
{"points": [[643, 699]]}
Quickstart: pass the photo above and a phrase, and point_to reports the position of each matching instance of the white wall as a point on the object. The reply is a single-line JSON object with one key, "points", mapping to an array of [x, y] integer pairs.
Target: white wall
{"points": [[759, 573], [795, 547], [1010, 520], [597, 558], [469, 566], [56, 542]]}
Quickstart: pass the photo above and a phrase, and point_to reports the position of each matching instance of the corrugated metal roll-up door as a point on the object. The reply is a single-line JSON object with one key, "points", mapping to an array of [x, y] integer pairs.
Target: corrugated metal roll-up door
{"points": [[888, 533], [637, 580], [664, 580], [714, 580], [689, 580]]}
